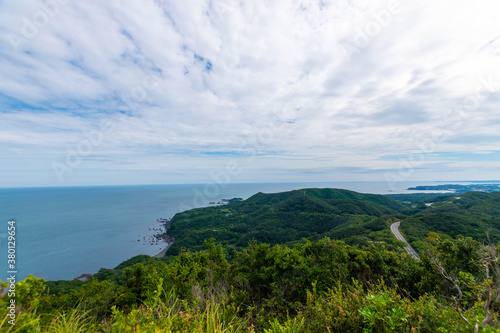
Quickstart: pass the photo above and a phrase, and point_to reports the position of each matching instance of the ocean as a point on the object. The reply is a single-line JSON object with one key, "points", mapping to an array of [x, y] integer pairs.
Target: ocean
{"points": [[63, 232]]}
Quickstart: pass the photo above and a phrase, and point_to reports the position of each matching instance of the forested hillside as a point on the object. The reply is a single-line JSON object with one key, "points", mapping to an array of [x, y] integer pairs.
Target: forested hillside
{"points": [[473, 214], [355, 218], [288, 217]]}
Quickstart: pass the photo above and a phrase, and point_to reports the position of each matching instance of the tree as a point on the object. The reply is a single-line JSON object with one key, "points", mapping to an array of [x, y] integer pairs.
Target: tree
{"points": [[473, 272]]}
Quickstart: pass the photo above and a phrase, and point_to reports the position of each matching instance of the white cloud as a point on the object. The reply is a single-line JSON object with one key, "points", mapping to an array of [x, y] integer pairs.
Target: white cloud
{"points": [[327, 86]]}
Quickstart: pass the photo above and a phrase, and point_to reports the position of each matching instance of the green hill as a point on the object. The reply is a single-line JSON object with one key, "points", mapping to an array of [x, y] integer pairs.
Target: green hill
{"points": [[473, 214], [286, 218]]}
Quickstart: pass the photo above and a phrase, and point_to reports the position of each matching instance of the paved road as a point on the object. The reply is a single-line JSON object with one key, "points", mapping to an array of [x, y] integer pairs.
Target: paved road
{"points": [[408, 248]]}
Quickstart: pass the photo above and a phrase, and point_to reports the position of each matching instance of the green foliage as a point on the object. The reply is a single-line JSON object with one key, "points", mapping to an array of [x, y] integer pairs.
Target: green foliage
{"points": [[335, 310], [29, 292], [324, 286], [289, 326], [143, 259], [167, 313], [71, 322], [352, 308], [409, 199], [228, 279], [384, 312], [462, 255], [62, 286]]}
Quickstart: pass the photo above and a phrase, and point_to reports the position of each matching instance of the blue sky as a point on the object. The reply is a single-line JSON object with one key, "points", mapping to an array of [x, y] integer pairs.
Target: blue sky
{"points": [[194, 91]]}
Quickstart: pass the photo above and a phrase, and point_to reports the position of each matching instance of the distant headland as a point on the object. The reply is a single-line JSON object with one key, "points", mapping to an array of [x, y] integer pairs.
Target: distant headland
{"points": [[456, 188]]}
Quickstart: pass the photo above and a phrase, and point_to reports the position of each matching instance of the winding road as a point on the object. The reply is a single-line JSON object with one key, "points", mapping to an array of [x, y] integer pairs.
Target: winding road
{"points": [[408, 248]]}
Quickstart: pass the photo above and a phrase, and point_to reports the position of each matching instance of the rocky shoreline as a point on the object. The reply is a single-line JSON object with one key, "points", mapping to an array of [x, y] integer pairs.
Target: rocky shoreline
{"points": [[84, 277], [164, 236]]}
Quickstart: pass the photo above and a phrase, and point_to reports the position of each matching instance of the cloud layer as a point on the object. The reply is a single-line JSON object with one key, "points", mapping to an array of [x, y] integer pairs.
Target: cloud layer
{"points": [[130, 92]]}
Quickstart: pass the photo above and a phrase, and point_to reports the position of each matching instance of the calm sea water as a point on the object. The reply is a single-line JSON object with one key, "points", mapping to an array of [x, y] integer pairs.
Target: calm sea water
{"points": [[63, 232]]}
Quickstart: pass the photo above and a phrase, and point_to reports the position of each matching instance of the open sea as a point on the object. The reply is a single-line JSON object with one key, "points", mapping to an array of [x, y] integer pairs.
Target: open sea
{"points": [[63, 232]]}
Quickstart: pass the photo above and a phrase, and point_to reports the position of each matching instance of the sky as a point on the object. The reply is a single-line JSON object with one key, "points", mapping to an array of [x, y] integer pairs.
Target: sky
{"points": [[178, 92]]}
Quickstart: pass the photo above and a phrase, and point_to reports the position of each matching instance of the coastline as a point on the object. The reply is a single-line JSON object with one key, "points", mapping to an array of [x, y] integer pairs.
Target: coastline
{"points": [[169, 241], [162, 253]]}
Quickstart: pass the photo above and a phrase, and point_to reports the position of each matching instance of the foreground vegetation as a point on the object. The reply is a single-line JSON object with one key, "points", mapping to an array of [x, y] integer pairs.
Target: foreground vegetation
{"points": [[324, 286], [365, 283]]}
